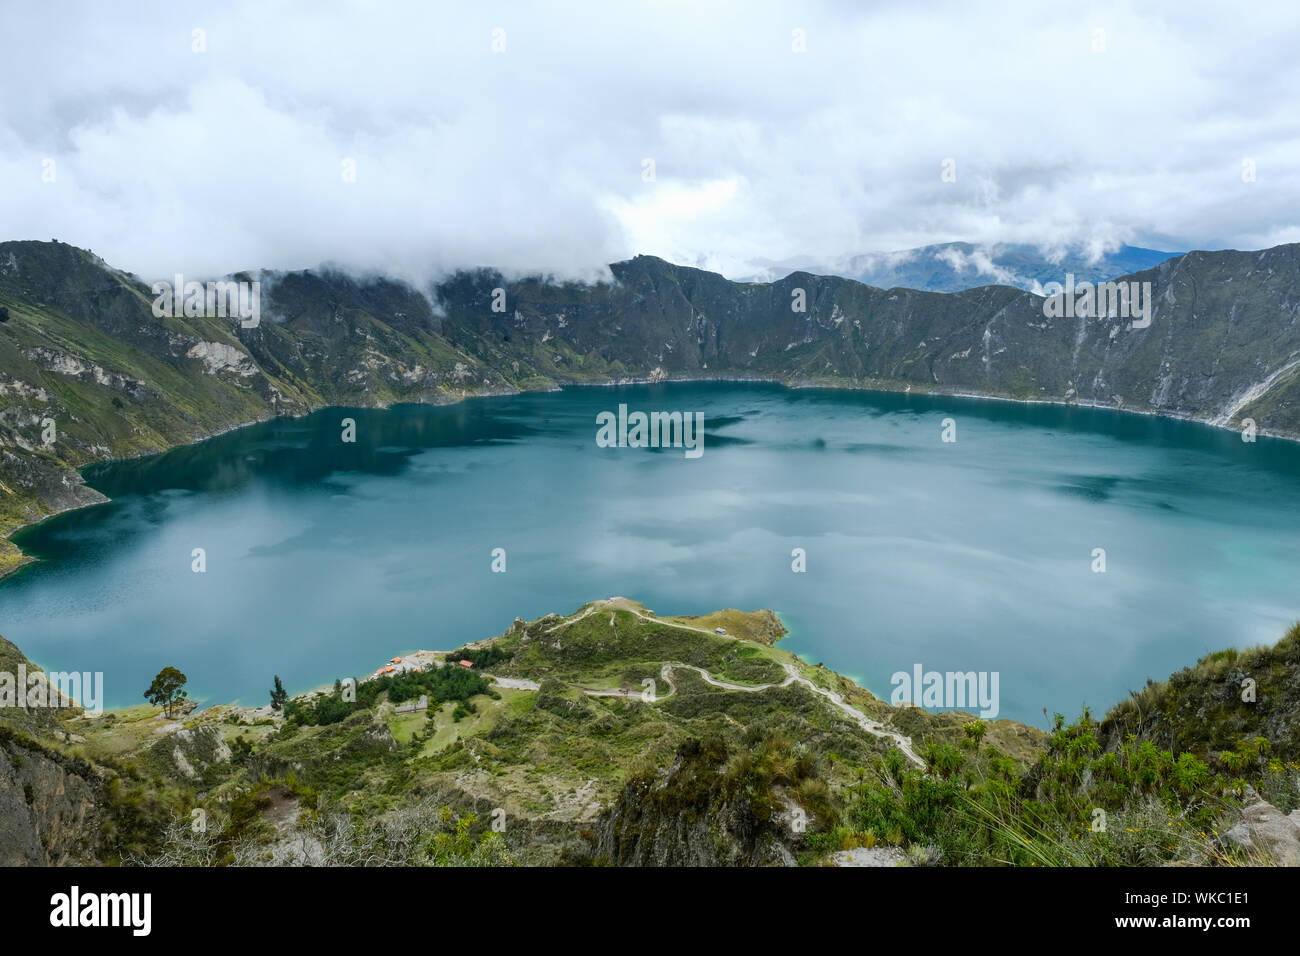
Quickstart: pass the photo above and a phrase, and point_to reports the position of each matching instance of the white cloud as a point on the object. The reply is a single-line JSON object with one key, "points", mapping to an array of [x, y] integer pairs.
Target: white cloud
{"points": [[169, 160]]}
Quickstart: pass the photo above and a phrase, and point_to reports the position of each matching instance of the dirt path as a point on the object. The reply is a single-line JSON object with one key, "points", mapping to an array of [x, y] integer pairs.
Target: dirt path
{"points": [[516, 683], [574, 620], [873, 727]]}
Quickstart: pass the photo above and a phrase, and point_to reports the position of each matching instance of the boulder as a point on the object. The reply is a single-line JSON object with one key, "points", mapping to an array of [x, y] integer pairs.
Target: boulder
{"points": [[1265, 828]]}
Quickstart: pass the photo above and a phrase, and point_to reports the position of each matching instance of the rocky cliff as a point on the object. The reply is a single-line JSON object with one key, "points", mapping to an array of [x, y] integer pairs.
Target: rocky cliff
{"points": [[48, 806], [48, 801]]}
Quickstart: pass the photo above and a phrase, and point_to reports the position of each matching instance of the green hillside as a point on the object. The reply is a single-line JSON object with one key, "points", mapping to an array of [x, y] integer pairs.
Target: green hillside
{"points": [[613, 736]]}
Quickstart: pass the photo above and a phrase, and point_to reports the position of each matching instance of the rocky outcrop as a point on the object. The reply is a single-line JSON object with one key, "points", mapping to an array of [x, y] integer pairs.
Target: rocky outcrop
{"points": [[218, 356], [1263, 828], [194, 751], [64, 363]]}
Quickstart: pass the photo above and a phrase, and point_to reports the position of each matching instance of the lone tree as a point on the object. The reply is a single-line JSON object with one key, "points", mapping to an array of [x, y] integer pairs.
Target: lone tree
{"points": [[278, 695], [165, 691]]}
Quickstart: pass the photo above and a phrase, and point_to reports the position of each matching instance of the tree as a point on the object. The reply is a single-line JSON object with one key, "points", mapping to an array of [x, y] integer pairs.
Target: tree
{"points": [[165, 691], [278, 695]]}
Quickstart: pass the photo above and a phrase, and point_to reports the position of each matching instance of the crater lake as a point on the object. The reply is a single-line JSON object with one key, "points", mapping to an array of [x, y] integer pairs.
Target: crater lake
{"points": [[323, 558]]}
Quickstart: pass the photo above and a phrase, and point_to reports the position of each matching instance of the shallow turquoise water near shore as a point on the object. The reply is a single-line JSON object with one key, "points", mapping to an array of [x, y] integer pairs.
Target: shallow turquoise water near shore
{"points": [[325, 558]]}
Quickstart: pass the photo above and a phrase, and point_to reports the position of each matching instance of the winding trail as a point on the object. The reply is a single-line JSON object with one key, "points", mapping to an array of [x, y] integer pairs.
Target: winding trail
{"points": [[873, 727]]}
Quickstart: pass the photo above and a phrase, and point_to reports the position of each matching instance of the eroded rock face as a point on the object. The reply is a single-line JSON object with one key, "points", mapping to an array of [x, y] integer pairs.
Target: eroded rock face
{"points": [[217, 356], [1265, 828], [64, 363], [192, 751], [47, 809]]}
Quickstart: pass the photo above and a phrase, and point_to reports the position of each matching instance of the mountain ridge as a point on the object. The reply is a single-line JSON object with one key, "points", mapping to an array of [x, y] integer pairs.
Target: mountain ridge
{"points": [[81, 347]]}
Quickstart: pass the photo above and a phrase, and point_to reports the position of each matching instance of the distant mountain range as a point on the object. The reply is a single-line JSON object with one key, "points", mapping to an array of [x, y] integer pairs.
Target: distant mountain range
{"points": [[88, 372], [954, 266]]}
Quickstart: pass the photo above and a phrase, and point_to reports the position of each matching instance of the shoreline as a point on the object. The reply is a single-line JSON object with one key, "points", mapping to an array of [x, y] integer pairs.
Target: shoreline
{"points": [[26, 560], [935, 393]]}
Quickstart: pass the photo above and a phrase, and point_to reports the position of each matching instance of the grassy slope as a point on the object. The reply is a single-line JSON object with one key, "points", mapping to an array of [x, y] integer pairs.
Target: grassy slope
{"points": [[553, 756], [1221, 704], [555, 759]]}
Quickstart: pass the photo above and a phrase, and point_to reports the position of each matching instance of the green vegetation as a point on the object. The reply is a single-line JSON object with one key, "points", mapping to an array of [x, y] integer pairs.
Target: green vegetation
{"points": [[441, 684], [250, 831], [704, 774], [166, 690], [612, 646], [1218, 708], [481, 657], [328, 709], [1078, 805], [748, 795], [761, 627], [279, 696]]}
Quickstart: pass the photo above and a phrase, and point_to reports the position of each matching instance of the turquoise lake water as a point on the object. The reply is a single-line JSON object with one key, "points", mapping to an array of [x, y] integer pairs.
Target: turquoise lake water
{"points": [[325, 558]]}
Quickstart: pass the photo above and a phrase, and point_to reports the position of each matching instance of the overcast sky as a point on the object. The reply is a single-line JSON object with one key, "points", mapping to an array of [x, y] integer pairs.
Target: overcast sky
{"points": [[533, 159]]}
